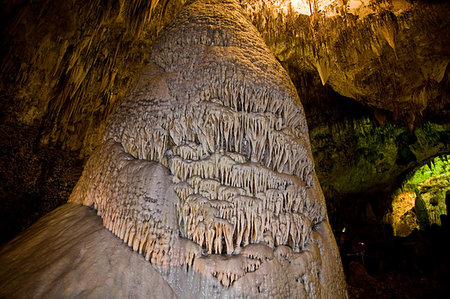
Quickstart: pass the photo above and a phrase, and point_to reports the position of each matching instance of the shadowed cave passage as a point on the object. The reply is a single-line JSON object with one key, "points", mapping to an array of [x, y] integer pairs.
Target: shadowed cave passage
{"points": [[207, 164]]}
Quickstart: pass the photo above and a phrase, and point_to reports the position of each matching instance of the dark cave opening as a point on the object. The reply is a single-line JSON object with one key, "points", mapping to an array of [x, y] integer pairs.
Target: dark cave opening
{"points": [[380, 264]]}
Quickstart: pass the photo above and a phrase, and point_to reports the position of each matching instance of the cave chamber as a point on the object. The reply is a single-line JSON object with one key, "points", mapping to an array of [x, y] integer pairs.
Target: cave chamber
{"points": [[224, 148]]}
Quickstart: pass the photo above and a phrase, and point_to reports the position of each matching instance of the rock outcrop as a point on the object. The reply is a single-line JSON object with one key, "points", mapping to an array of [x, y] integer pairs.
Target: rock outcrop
{"points": [[69, 254]]}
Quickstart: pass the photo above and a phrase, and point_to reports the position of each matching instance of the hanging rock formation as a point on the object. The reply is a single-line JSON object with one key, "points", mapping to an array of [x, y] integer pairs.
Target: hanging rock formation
{"points": [[391, 55], [206, 167]]}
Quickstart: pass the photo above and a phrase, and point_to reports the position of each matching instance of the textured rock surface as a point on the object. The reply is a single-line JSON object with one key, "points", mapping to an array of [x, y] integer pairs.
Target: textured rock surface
{"points": [[64, 68], [392, 55], [53, 54], [69, 254], [421, 199], [388, 54], [66, 65], [361, 164], [241, 204], [358, 155], [34, 179]]}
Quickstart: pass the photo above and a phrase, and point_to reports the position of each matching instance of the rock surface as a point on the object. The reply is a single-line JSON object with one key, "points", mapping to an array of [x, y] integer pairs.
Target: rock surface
{"points": [[391, 55], [69, 254], [207, 165]]}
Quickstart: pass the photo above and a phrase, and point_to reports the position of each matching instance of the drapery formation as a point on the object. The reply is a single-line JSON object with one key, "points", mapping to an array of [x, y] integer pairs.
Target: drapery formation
{"points": [[207, 163]]}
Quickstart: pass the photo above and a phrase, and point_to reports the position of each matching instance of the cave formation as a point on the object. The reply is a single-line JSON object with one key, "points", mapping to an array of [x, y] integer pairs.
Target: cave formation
{"points": [[182, 127]]}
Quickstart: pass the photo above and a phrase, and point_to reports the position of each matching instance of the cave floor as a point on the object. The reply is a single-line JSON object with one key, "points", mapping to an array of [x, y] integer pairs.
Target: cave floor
{"points": [[416, 266]]}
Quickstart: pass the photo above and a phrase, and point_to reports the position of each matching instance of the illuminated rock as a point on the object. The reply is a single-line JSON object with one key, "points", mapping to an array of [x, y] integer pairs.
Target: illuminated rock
{"points": [[68, 254], [421, 200], [206, 168]]}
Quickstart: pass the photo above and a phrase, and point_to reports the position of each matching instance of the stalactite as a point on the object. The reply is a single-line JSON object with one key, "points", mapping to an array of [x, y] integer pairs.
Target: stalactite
{"points": [[386, 30], [323, 68]]}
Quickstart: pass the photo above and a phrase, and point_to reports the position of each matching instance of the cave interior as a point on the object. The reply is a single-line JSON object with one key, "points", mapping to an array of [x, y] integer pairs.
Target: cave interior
{"points": [[372, 77]]}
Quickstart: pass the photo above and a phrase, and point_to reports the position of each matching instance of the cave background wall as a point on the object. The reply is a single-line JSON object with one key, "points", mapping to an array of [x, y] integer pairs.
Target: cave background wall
{"points": [[66, 66], [374, 82], [389, 55]]}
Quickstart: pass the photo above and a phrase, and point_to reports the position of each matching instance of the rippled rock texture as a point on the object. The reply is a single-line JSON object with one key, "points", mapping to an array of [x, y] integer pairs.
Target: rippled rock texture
{"points": [[207, 166]]}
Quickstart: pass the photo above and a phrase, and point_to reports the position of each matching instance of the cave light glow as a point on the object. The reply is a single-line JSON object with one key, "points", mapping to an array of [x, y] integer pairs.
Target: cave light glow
{"points": [[420, 201]]}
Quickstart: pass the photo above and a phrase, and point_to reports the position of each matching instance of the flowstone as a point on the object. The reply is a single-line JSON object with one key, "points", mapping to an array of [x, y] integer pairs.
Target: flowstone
{"points": [[206, 167]]}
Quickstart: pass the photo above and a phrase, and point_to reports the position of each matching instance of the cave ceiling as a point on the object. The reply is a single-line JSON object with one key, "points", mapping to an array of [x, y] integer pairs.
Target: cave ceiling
{"points": [[68, 64], [389, 55]]}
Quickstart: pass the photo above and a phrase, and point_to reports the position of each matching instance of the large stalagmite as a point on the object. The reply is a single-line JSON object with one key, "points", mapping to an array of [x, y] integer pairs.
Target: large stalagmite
{"points": [[206, 167]]}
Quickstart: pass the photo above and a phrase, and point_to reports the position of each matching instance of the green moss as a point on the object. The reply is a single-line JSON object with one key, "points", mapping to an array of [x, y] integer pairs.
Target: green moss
{"points": [[436, 167], [435, 133], [429, 182], [358, 156]]}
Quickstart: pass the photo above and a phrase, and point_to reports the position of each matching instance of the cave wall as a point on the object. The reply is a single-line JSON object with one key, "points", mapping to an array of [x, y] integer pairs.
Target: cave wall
{"points": [[421, 199], [66, 66], [360, 164], [371, 152], [34, 179]]}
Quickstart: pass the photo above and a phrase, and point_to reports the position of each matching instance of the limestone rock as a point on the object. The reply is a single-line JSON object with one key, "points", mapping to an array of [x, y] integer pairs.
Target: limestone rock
{"points": [[221, 114], [69, 254], [206, 167]]}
